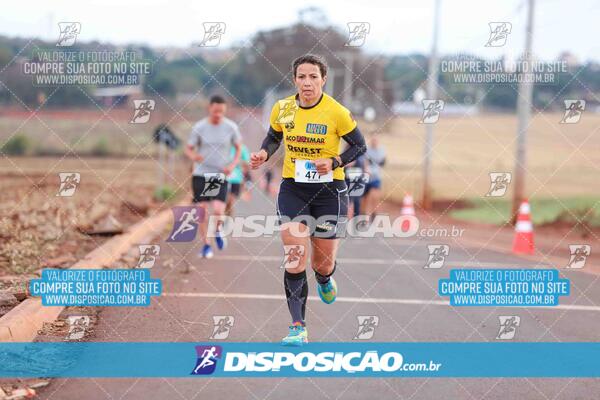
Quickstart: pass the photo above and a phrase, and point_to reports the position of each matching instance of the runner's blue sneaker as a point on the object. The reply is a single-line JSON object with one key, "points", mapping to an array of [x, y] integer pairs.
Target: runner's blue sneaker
{"points": [[206, 251], [298, 336], [328, 291], [220, 240]]}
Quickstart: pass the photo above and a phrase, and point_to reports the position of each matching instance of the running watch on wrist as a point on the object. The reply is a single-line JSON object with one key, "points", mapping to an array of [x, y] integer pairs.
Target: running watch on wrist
{"points": [[335, 163]]}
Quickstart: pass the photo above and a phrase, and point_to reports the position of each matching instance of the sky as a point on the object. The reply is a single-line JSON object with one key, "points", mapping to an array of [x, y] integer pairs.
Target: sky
{"points": [[397, 26]]}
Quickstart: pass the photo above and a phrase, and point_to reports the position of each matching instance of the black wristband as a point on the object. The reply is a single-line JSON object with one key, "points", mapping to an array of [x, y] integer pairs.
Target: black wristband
{"points": [[335, 163]]}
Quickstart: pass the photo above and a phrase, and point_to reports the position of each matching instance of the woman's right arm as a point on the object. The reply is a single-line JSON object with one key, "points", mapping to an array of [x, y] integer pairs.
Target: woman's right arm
{"points": [[271, 142]]}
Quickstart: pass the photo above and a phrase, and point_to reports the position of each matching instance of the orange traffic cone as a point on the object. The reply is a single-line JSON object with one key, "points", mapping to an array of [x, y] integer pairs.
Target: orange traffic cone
{"points": [[523, 243], [408, 208]]}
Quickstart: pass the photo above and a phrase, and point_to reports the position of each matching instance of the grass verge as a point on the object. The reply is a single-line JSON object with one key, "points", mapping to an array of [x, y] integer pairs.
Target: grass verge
{"points": [[543, 211]]}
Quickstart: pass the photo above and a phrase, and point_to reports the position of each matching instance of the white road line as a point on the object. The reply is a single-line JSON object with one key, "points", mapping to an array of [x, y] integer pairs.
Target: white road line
{"points": [[311, 298], [374, 261], [279, 259], [347, 241], [256, 296]]}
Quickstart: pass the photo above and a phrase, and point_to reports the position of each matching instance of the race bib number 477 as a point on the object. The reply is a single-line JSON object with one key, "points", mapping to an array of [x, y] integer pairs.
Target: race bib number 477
{"points": [[306, 172]]}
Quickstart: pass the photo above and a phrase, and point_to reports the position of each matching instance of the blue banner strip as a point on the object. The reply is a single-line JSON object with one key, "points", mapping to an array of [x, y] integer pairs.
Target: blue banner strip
{"points": [[225, 359]]}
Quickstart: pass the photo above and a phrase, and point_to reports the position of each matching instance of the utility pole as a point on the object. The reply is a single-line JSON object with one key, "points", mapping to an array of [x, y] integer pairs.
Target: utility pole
{"points": [[329, 85], [432, 77], [380, 85], [524, 102], [347, 95]]}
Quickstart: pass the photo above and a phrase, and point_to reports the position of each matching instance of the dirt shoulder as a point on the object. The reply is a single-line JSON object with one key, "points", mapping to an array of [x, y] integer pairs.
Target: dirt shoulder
{"points": [[41, 229]]}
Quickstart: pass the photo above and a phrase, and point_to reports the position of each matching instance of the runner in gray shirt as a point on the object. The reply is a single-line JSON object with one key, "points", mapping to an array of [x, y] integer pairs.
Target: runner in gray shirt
{"points": [[209, 147]]}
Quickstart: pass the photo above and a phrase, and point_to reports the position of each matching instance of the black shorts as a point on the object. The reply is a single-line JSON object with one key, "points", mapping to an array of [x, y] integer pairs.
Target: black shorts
{"points": [[323, 207], [234, 189], [208, 191]]}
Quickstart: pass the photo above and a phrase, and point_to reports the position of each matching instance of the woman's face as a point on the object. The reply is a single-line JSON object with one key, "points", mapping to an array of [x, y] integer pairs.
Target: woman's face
{"points": [[309, 81]]}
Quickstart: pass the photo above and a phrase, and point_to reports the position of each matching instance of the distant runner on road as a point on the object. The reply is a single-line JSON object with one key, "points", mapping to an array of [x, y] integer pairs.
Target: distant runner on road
{"points": [[237, 178], [209, 147], [375, 158]]}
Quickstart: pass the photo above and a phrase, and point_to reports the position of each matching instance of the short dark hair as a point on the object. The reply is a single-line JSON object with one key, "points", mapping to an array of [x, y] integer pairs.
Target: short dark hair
{"points": [[216, 99], [310, 59]]}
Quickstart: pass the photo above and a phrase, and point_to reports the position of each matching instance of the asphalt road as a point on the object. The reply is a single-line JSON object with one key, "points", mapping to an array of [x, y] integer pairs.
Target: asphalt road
{"points": [[380, 277]]}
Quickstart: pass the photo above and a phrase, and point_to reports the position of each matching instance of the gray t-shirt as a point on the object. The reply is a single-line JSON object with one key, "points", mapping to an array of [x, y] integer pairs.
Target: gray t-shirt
{"points": [[375, 158], [213, 143]]}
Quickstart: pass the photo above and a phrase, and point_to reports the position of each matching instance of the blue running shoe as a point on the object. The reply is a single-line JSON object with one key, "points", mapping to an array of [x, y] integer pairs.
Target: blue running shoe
{"points": [[220, 240], [206, 251], [298, 336], [328, 291]]}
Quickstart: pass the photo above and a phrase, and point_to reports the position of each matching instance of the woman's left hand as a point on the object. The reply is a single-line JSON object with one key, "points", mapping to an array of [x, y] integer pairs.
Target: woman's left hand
{"points": [[323, 165]]}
